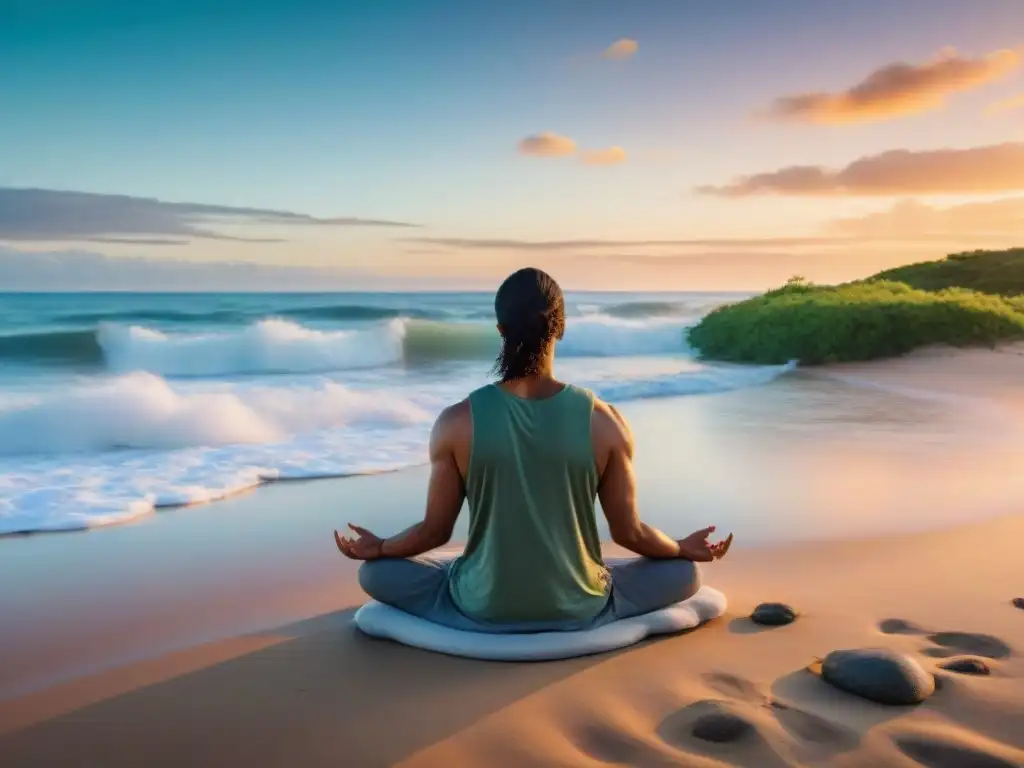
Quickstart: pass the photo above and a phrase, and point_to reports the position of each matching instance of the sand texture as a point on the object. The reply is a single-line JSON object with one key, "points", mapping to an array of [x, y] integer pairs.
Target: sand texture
{"points": [[318, 693]]}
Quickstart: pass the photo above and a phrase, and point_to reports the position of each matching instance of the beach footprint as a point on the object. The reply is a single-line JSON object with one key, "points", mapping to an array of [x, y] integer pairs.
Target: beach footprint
{"points": [[735, 687], [900, 627], [936, 752], [807, 727], [812, 728], [709, 721], [949, 643], [606, 743], [971, 643]]}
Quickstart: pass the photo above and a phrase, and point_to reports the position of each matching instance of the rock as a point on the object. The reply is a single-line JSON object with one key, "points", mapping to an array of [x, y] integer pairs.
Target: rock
{"points": [[773, 614], [878, 674], [966, 665], [720, 725], [1019, 602]]}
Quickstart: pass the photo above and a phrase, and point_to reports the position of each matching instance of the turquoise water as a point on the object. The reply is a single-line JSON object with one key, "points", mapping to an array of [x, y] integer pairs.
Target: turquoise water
{"points": [[112, 405]]}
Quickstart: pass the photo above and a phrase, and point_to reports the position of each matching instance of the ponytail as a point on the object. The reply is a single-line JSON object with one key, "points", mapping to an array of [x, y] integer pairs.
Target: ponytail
{"points": [[531, 313]]}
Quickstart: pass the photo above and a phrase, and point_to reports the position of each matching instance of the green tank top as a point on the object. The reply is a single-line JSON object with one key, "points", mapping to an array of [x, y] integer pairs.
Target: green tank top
{"points": [[533, 553]]}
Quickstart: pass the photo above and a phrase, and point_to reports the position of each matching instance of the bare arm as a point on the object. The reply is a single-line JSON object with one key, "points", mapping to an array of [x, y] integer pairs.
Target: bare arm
{"points": [[445, 494], [617, 489]]}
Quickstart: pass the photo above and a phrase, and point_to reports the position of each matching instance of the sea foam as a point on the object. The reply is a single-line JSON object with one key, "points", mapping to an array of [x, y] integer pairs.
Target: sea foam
{"points": [[142, 410], [105, 451]]}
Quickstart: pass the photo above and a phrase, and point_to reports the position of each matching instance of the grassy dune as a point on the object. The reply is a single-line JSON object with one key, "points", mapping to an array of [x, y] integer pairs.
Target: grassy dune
{"points": [[999, 272], [963, 300]]}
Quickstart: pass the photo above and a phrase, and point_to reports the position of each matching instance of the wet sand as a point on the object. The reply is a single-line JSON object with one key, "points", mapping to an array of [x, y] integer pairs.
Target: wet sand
{"points": [[222, 634]]}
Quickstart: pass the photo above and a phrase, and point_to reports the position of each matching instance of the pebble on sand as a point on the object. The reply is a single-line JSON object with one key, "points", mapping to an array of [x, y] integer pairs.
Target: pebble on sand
{"points": [[720, 725], [966, 665], [1019, 602], [878, 674], [773, 614]]}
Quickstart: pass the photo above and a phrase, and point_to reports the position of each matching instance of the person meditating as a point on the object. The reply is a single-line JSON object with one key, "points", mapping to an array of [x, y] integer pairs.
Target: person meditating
{"points": [[531, 455]]}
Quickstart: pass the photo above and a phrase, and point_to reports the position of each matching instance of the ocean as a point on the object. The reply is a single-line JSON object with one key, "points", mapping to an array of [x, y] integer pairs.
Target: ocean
{"points": [[115, 405]]}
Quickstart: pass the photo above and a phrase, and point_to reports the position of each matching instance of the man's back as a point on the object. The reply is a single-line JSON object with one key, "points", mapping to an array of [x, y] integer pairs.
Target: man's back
{"points": [[533, 553], [531, 455]]}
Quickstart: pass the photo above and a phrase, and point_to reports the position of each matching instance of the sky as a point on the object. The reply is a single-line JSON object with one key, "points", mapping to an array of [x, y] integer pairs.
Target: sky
{"points": [[650, 144]]}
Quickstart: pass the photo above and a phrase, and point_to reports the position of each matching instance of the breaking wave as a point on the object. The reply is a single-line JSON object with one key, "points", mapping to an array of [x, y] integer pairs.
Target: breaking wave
{"points": [[277, 345]]}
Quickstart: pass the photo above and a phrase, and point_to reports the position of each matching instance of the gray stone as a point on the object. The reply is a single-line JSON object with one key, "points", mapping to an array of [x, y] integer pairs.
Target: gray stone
{"points": [[773, 614], [721, 727], [966, 665], [1019, 602], [878, 674]]}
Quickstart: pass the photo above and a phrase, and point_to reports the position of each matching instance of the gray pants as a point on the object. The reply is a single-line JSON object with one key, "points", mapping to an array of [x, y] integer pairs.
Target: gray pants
{"points": [[420, 586]]}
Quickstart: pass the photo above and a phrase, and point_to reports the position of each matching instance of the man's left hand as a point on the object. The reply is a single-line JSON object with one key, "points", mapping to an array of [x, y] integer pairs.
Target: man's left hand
{"points": [[365, 545]]}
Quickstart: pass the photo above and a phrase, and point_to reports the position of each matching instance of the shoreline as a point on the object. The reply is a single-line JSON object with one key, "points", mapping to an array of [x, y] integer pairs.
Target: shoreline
{"points": [[929, 373], [264, 556]]}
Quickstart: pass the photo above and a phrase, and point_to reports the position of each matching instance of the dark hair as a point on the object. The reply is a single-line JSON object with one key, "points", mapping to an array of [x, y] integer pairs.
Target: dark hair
{"points": [[531, 312]]}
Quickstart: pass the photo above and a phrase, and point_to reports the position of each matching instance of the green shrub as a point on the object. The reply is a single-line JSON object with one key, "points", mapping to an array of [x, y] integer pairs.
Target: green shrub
{"points": [[1000, 272], [856, 321]]}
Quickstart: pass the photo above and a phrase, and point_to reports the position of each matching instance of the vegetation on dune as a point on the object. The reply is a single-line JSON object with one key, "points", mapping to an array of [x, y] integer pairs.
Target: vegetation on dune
{"points": [[999, 272], [873, 318]]}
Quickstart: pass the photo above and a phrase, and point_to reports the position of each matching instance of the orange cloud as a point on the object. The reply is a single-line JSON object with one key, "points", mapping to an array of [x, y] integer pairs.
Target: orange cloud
{"points": [[609, 156], [897, 89], [1006, 105], [621, 49], [912, 219], [994, 168], [547, 145]]}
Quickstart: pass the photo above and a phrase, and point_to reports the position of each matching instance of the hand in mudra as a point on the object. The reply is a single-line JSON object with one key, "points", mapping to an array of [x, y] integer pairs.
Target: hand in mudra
{"points": [[365, 546], [698, 547]]}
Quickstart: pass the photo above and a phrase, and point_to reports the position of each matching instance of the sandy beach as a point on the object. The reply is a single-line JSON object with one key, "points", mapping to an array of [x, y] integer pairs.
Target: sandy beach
{"points": [[222, 635]]}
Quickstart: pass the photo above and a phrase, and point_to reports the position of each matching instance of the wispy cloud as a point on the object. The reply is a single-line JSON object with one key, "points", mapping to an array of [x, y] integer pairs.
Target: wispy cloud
{"points": [[76, 270], [57, 215], [608, 156], [547, 144], [1006, 105], [596, 245], [898, 89], [912, 218], [625, 48], [994, 168]]}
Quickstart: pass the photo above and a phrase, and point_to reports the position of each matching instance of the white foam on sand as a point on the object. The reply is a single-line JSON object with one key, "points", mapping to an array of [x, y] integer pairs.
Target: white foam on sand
{"points": [[110, 449]]}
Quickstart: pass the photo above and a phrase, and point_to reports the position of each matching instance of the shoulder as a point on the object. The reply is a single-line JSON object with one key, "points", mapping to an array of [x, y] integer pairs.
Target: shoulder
{"points": [[609, 427], [453, 424], [454, 415]]}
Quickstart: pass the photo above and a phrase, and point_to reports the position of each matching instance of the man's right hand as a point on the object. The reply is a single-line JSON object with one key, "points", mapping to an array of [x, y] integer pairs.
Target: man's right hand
{"points": [[698, 547], [366, 546]]}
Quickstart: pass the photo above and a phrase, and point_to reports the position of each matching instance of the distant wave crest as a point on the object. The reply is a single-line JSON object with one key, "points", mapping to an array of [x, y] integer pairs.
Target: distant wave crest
{"points": [[340, 312], [277, 345]]}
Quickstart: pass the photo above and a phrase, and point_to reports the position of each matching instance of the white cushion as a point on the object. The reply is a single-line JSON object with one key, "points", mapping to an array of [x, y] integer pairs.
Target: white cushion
{"points": [[383, 621]]}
